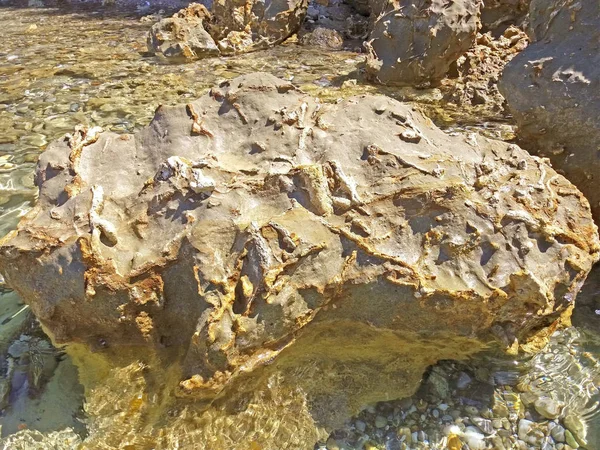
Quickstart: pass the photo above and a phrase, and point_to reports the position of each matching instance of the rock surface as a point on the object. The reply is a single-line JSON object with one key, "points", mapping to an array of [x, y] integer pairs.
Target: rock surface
{"points": [[415, 42], [327, 38], [553, 90], [474, 79], [257, 234], [497, 15], [231, 26], [240, 26], [183, 36]]}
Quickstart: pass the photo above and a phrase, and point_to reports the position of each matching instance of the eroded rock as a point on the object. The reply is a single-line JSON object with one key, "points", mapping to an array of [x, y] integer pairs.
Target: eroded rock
{"points": [[231, 26], [553, 90], [497, 15], [183, 35], [474, 81], [415, 42], [267, 255]]}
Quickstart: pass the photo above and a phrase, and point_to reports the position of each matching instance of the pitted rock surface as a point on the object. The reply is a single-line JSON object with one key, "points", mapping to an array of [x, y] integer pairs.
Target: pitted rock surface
{"points": [[183, 35], [415, 42], [257, 231], [553, 90], [231, 27]]}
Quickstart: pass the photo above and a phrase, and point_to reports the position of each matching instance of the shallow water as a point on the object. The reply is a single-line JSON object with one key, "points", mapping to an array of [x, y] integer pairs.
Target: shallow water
{"points": [[59, 68]]}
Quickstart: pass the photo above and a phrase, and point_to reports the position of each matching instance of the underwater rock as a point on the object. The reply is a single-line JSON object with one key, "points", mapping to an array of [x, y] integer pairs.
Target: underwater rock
{"points": [[415, 42], [553, 90], [183, 36], [258, 241]]}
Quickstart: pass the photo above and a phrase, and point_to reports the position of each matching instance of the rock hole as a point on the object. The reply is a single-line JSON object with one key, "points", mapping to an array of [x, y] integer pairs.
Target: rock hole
{"points": [[487, 251]]}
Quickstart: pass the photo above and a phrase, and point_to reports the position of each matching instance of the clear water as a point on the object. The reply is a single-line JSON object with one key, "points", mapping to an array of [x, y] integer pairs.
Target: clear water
{"points": [[59, 68]]}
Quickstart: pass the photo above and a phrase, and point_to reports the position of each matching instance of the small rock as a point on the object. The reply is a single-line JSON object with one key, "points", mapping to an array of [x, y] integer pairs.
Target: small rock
{"points": [[525, 427], [484, 425], [463, 381], [380, 421], [570, 440], [360, 426], [558, 433], [548, 407], [576, 427]]}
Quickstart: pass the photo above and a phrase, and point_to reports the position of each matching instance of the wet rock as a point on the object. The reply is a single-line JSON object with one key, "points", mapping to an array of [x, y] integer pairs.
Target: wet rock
{"points": [[548, 407], [414, 43], [380, 422], [553, 90], [464, 380], [570, 440], [323, 37], [299, 270], [183, 36], [558, 433], [484, 425]]}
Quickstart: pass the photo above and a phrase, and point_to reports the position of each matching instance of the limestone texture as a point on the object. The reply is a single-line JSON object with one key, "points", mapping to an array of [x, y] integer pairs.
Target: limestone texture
{"points": [[326, 38], [553, 90], [415, 42], [257, 234], [183, 36], [230, 27], [473, 80]]}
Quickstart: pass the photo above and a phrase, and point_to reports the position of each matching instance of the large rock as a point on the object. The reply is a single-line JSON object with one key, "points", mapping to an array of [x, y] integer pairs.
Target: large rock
{"points": [[232, 26], [241, 25], [553, 90], [286, 260], [415, 42], [183, 35]]}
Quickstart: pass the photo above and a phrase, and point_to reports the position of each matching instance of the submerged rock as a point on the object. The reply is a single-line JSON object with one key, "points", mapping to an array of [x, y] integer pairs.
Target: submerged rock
{"points": [[415, 43], [553, 90], [259, 250]]}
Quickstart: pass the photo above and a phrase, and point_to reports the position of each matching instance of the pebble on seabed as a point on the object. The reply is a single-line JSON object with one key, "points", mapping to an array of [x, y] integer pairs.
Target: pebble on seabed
{"points": [[503, 421]]}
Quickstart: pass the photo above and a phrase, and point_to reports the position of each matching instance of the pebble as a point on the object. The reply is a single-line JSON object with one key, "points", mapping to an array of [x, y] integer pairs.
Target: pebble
{"points": [[360, 426], [380, 421], [484, 425], [548, 407], [558, 433], [463, 381], [524, 429], [575, 426], [570, 440]]}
